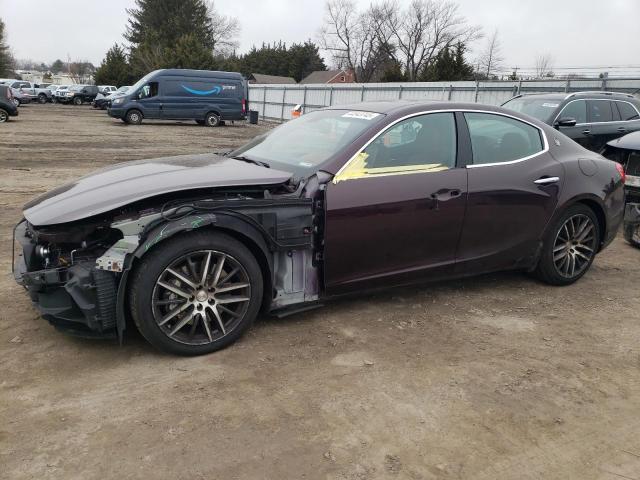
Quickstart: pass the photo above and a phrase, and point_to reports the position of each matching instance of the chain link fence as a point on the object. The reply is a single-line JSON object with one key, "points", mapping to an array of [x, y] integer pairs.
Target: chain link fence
{"points": [[275, 102]]}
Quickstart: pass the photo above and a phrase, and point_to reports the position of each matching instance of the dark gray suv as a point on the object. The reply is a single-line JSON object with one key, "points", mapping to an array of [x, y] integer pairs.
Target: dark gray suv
{"points": [[590, 118]]}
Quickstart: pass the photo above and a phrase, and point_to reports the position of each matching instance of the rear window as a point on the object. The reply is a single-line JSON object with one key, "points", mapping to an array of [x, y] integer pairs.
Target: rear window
{"points": [[627, 111], [537, 107]]}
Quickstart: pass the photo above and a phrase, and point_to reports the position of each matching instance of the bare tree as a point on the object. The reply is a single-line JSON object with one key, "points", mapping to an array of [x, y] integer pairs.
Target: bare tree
{"points": [[348, 36], [491, 58], [544, 65], [416, 35], [81, 71], [225, 30]]}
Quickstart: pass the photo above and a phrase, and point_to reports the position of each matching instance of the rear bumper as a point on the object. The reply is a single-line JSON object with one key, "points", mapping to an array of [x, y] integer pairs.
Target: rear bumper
{"points": [[78, 299]]}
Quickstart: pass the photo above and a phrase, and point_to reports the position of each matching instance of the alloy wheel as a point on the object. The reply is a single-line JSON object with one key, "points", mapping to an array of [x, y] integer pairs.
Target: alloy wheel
{"points": [[3, 116], [574, 246], [201, 297]]}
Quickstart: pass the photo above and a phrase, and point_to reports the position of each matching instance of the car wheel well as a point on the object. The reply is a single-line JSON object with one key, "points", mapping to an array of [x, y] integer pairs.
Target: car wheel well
{"points": [[599, 212], [254, 248]]}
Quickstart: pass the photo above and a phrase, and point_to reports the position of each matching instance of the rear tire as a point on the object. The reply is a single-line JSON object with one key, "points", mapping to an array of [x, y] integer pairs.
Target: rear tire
{"points": [[212, 119], [182, 310], [77, 101], [133, 117], [569, 246], [42, 98], [632, 234], [4, 116]]}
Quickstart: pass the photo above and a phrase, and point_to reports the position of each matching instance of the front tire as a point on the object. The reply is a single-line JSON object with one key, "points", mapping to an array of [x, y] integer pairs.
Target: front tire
{"points": [[133, 117], [77, 101], [196, 293], [4, 116], [569, 246], [632, 234], [42, 98]]}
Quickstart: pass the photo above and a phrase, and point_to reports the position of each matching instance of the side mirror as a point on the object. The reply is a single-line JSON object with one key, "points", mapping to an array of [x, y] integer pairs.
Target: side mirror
{"points": [[565, 122]]}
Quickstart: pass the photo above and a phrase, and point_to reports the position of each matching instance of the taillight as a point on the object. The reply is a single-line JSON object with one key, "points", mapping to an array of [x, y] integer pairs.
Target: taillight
{"points": [[244, 106], [623, 176]]}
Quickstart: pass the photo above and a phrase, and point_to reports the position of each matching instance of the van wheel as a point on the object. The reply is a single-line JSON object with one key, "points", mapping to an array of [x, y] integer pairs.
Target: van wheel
{"points": [[212, 119], [4, 116], [196, 293], [77, 101], [134, 117]]}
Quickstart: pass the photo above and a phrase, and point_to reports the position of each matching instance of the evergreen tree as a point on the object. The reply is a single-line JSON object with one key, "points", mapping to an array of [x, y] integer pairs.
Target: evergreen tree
{"points": [[6, 60], [303, 59], [57, 66], [170, 33], [449, 65], [114, 69]]}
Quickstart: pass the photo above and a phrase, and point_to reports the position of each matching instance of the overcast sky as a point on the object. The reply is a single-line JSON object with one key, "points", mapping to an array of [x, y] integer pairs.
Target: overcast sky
{"points": [[575, 32]]}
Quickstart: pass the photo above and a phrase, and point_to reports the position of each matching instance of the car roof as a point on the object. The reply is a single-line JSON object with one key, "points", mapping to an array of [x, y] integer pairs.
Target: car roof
{"points": [[399, 107], [584, 94], [631, 141]]}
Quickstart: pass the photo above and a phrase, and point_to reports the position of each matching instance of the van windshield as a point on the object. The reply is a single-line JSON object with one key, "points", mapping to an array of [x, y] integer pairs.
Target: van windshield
{"points": [[310, 140], [140, 83]]}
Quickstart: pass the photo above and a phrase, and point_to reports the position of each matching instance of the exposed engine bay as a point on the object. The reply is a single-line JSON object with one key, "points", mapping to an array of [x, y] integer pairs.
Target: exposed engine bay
{"points": [[76, 273]]}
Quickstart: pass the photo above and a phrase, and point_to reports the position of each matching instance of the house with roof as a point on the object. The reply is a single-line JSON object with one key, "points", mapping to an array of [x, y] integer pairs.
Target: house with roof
{"points": [[263, 79], [342, 75]]}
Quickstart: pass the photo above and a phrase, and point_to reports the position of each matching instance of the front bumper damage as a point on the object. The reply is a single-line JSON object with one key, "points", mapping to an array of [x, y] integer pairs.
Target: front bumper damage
{"points": [[78, 299]]}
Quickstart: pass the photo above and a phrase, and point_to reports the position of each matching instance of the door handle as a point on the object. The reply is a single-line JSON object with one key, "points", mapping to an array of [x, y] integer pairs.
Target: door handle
{"points": [[586, 132], [547, 180], [622, 129]]}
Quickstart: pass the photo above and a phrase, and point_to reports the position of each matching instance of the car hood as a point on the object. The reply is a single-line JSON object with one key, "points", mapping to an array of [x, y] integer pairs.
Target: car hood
{"points": [[630, 141], [125, 183]]}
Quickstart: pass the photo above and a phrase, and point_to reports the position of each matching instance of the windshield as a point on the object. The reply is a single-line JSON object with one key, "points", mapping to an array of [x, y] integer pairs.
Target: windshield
{"points": [[540, 108], [123, 89], [140, 83], [310, 140]]}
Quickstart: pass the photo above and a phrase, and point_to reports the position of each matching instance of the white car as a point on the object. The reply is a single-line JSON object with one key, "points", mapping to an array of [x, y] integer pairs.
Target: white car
{"points": [[107, 89]]}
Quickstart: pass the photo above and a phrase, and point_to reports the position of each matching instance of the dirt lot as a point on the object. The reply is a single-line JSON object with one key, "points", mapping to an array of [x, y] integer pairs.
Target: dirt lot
{"points": [[497, 377]]}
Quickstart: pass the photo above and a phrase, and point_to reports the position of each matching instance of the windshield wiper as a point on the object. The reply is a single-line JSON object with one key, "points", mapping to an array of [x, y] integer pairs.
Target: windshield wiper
{"points": [[251, 160]]}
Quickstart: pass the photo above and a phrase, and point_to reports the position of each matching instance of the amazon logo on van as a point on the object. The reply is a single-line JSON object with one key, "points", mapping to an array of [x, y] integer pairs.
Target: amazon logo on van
{"points": [[214, 91]]}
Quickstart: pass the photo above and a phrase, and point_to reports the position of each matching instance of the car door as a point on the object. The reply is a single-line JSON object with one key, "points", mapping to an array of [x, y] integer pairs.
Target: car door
{"points": [[605, 123], [581, 131], [629, 117], [394, 212], [513, 190], [149, 101]]}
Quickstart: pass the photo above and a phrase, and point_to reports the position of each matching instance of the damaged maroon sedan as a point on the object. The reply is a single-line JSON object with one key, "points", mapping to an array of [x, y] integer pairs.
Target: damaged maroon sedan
{"points": [[344, 199]]}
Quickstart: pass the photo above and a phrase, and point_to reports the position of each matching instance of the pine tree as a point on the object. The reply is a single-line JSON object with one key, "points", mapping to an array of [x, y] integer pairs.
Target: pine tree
{"points": [[114, 69], [6, 60], [57, 66], [304, 59], [449, 65]]}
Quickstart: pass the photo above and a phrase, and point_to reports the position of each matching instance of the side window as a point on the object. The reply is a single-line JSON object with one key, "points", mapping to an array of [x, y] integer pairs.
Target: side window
{"points": [[425, 142], [599, 111], [495, 138], [149, 90], [576, 109], [627, 111]]}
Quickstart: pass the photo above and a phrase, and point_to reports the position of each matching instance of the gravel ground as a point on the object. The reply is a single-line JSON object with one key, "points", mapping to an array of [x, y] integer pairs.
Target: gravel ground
{"points": [[496, 377]]}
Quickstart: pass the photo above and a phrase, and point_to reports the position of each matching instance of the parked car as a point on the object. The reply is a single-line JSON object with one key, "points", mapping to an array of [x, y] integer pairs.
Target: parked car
{"points": [[7, 107], [59, 92], [103, 101], [20, 97], [590, 118], [207, 97], [41, 95], [79, 94], [339, 200], [626, 151], [107, 89]]}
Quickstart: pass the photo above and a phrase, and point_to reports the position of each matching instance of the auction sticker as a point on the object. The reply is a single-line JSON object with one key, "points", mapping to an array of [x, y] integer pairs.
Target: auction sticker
{"points": [[550, 105], [361, 115]]}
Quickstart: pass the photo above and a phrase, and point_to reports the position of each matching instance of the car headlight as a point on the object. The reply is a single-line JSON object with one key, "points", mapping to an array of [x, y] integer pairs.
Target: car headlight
{"points": [[117, 101]]}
